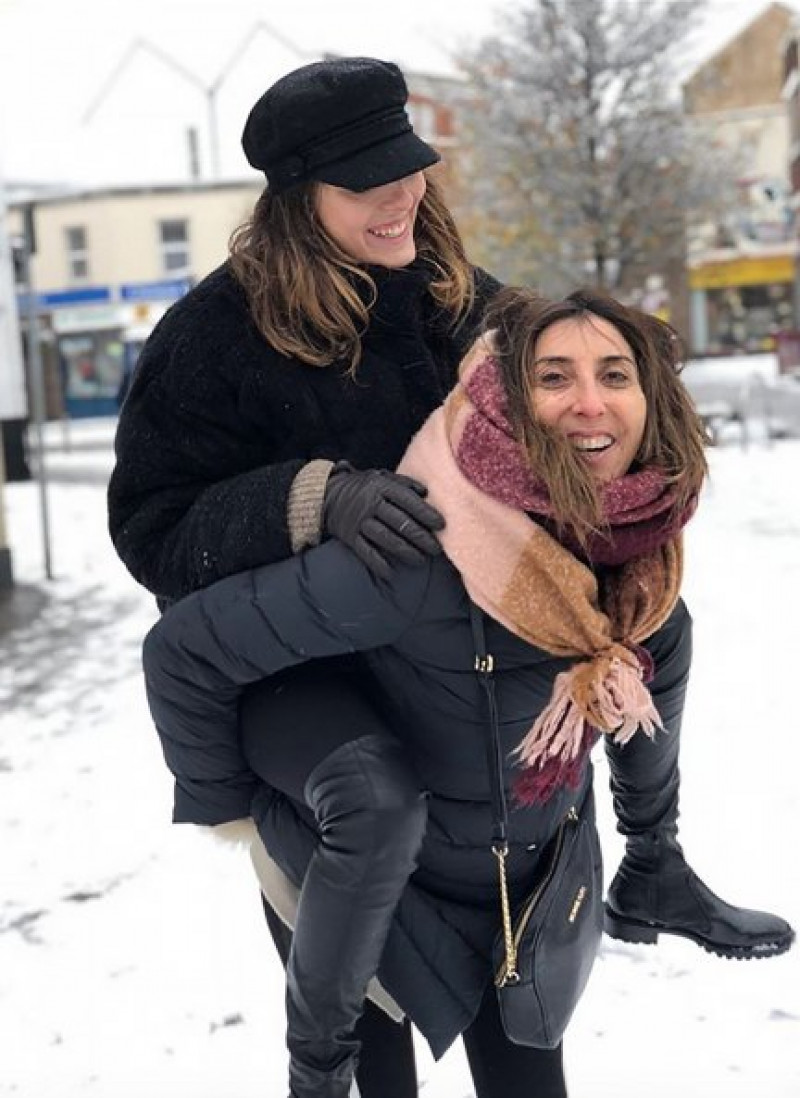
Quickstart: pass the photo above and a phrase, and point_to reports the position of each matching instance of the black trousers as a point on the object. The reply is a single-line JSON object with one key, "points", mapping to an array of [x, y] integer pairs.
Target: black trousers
{"points": [[501, 1069], [289, 724]]}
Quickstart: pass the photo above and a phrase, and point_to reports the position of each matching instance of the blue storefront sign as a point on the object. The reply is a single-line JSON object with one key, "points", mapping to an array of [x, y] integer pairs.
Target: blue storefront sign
{"points": [[165, 290], [85, 295]]}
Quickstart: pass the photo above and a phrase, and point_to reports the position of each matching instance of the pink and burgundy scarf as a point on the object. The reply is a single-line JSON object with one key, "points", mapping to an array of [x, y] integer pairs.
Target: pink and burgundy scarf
{"points": [[500, 536]]}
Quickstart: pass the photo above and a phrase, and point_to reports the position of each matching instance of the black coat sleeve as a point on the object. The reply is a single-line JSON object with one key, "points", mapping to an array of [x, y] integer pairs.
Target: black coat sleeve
{"points": [[186, 504], [205, 649]]}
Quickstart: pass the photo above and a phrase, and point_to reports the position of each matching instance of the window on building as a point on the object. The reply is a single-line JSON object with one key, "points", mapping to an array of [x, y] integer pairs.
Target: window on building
{"points": [[77, 253], [174, 240]]}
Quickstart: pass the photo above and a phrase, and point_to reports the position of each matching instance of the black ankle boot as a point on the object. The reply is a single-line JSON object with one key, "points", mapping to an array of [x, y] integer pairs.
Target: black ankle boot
{"points": [[655, 892], [371, 817]]}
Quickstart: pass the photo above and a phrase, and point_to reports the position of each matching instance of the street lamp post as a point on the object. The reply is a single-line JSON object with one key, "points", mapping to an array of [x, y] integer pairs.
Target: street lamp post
{"points": [[36, 377], [13, 400]]}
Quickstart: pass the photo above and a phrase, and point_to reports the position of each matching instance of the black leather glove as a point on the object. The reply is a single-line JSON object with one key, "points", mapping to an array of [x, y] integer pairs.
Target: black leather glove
{"points": [[382, 516]]}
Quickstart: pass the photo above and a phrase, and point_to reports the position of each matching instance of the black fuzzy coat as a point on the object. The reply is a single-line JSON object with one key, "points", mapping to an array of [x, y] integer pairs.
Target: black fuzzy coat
{"points": [[416, 635], [217, 424]]}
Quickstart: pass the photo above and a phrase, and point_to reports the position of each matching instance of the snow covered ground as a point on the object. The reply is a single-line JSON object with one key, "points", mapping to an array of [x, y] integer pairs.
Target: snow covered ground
{"points": [[133, 959]]}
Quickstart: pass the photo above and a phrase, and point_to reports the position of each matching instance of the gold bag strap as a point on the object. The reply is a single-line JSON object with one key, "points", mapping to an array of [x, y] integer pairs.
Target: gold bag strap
{"points": [[484, 666], [510, 974]]}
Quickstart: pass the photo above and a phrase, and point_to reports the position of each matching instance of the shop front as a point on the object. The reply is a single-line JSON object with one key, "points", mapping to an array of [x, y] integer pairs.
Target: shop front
{"points": [[90, 348], [97, 344], [742, 305]]}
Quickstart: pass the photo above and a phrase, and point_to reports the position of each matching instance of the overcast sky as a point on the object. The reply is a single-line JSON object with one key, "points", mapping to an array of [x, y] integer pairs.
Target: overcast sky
{"points": [[63, 117]]}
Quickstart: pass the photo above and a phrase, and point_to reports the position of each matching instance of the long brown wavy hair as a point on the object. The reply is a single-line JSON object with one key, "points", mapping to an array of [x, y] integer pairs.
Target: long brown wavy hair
{"points": [[303, 289], [674, 438]]}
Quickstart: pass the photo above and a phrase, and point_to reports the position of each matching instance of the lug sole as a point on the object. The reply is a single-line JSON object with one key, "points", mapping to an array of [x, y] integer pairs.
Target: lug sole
{"points": [[625, 929]]}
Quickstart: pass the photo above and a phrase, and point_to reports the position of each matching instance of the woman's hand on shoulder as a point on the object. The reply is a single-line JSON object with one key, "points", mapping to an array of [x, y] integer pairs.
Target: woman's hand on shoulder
{"points": [[381, 516]]}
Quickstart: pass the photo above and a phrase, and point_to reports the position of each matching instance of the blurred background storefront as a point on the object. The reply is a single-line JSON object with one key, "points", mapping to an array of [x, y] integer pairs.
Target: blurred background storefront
{"points": [[107, 265], [742, 304], [741, 267]]}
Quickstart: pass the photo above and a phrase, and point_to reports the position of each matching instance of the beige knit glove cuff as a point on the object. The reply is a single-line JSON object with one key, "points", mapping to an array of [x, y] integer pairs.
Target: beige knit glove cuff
{"points": [[304, 504]]}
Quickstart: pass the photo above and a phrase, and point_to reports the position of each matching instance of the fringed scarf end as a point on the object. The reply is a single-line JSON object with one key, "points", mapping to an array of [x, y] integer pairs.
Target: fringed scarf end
{"points": [[558, 730], [606, 694], [536, 785], [624, 704]]}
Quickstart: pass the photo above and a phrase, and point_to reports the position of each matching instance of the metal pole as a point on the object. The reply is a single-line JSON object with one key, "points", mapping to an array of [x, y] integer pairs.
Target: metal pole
{"points": [[36, 384], [6, 572], [213, 133]]}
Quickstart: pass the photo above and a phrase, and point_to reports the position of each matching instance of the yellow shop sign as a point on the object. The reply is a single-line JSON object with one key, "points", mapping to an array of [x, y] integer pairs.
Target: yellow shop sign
{"points": [[750, 271]]}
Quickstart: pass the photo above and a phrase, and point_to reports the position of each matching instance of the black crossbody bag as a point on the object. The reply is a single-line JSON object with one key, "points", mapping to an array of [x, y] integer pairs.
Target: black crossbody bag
{"points": [[545, 952]]}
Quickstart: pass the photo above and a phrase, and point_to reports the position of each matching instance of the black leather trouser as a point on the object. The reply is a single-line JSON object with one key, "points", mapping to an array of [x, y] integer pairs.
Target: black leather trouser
{"points": [[386, 1066], [290, 725]]}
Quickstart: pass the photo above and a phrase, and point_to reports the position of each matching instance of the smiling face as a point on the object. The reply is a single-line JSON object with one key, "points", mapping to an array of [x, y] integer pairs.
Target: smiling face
{"points": [[374, 226], [585, 385]]}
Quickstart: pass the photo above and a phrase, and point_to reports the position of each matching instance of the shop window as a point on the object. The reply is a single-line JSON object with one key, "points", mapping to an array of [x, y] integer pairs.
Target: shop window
{"points": [[174, 241], [77, 253], [747, 319], [92, 364]]}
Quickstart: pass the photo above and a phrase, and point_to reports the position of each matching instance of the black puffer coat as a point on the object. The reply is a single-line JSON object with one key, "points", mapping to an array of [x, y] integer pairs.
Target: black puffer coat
{"points": [[415, 633], [217, 424]]}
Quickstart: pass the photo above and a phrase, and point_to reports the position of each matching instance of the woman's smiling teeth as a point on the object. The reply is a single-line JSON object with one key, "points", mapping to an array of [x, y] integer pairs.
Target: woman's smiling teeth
{"points": [[389, 232], [593, 444]]}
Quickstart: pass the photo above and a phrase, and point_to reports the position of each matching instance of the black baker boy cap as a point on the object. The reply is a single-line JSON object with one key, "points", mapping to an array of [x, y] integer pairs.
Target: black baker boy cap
{"points": [[341, 121]]}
